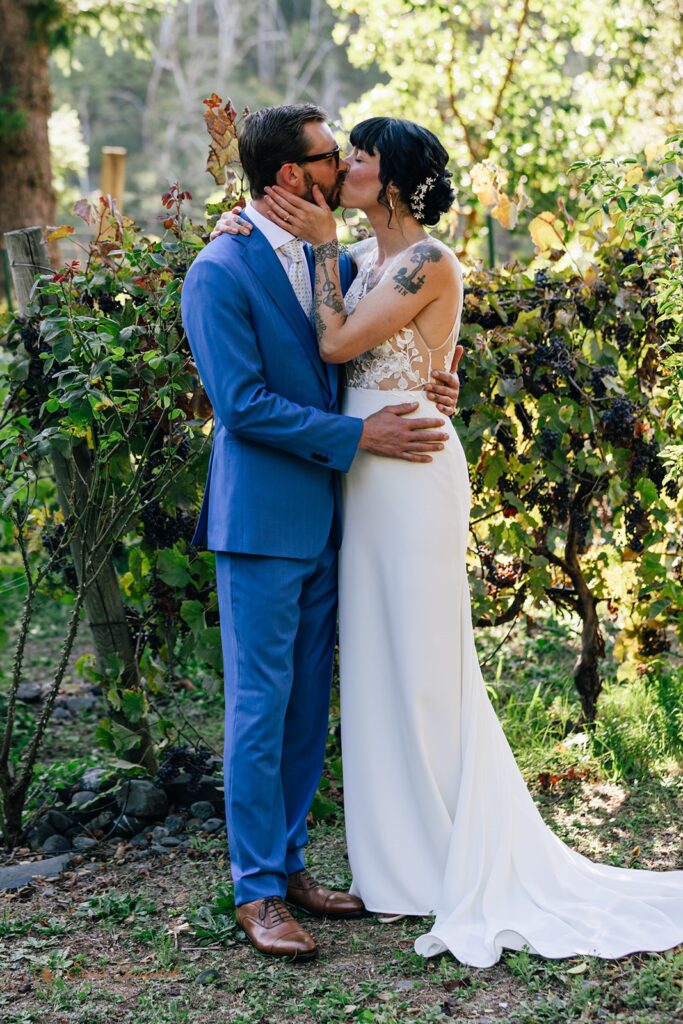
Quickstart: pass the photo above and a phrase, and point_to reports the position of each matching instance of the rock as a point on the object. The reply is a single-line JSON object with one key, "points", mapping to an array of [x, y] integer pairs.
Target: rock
{"points": [[143, 799], [39, 834], [207, 977], [78, 800], [30, 693], [127, 825], [158, 848], [93, 779], [404, 985], [82, 843], [159, 833], [56, 844], [57, 821], [19, 875], [213, 825], [182, 794], [174, 824], [170, 841], [139, 842], [202, 809], [193, 824], [81, 703], [103, 820], [60, 713]]}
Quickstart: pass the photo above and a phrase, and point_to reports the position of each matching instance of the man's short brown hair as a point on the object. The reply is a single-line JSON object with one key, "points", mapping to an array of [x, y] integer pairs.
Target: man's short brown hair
{"points": [[272, 137]]}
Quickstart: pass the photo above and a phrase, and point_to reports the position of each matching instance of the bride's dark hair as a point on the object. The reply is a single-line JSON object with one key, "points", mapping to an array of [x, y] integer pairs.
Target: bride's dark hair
{"points": [[412, 158]]}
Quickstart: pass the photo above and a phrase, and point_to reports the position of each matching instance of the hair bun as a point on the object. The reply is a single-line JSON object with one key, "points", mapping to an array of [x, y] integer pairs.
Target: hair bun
{"points": [[438, 199]]}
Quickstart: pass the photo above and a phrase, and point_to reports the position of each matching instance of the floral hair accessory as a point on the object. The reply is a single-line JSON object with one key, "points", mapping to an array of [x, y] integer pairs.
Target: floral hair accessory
{"points": [[417, 200]]}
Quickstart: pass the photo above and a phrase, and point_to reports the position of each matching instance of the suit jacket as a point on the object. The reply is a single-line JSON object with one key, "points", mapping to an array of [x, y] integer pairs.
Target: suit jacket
{"points": [[272, 486]]}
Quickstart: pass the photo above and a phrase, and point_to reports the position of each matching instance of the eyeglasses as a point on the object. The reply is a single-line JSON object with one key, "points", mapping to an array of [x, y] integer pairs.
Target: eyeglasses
{"points": [[332, 154]]}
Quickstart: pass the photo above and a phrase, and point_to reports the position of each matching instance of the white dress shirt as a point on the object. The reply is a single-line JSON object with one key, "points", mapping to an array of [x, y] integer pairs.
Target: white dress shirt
{"points": [[275, 236]]}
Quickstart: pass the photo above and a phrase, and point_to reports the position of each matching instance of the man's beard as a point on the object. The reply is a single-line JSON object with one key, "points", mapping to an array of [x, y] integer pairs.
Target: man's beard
{"points": [[331, 193]]}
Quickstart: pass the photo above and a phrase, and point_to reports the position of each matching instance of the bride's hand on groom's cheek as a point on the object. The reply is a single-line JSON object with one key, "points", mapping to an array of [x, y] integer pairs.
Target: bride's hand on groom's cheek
{"points": [[231, 224], [314, 222]]}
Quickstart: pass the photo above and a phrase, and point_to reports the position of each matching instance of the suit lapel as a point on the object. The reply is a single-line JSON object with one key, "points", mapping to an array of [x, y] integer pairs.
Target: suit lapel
{"points": [[261, 258]]}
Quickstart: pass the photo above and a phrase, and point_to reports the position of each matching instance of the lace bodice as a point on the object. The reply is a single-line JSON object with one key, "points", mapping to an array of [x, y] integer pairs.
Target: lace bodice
{"points": [[403, 362]]}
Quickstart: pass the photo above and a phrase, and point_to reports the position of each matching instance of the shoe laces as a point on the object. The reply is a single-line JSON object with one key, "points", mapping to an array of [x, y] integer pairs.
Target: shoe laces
{"points": [[274, 910]]}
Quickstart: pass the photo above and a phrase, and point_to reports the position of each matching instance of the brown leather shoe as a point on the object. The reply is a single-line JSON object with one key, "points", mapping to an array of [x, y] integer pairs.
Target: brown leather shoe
{"points": [[272, 930], [306, 894]]}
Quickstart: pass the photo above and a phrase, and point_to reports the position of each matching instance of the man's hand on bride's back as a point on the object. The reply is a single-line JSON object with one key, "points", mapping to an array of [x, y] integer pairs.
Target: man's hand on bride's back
{"points": [[389, 433], [231, 224]]}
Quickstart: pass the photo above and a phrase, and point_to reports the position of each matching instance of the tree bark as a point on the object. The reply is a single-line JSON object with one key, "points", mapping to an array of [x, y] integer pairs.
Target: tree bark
{"points": [[73, 476], [26, 194]]}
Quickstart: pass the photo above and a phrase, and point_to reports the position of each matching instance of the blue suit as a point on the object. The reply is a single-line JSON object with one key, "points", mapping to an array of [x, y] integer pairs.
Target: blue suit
{"points": [[271, 512]]}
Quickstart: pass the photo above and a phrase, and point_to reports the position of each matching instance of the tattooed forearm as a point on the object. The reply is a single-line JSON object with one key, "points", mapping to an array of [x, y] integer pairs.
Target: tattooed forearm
{"points": [[328, 304], [330, 293], [326, 251], [408, 280]]}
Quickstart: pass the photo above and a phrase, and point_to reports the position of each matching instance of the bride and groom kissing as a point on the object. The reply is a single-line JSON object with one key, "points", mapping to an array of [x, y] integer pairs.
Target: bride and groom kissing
{"points": [[336, 494]]}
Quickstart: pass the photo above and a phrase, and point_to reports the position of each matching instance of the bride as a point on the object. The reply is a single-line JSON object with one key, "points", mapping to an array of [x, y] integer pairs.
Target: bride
{"points": [[439, 820]]}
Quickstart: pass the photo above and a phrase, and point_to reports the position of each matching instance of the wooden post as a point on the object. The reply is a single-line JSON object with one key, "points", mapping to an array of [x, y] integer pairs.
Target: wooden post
{"points": [[113, 173], [27, 256], [73, 473]]}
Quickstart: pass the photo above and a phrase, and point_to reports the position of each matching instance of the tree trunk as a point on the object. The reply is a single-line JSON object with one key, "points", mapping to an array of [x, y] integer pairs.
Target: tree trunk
{"points": [[73, 475], [26, 195]]}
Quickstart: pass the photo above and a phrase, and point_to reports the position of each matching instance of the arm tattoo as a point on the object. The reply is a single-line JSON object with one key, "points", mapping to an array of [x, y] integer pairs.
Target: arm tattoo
{"points": [[407, 280], [326, 290]]}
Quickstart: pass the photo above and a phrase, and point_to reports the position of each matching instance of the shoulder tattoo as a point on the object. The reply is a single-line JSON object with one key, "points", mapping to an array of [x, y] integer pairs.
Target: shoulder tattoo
{"points": [[410, 278]]}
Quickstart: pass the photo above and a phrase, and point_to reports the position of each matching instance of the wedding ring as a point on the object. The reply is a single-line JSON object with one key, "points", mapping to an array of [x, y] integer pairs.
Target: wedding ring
{"points": [[285, 216]]}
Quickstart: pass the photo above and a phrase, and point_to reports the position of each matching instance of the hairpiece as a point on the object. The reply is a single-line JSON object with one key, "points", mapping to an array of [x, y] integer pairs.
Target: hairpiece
{"points": [[417, 200]]}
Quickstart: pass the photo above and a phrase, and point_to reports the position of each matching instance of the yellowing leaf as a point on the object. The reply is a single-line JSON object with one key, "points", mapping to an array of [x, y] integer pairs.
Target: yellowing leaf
{"points": [[545, 231], [61, 232], [482, 176], [505, 212], [634, 175]]}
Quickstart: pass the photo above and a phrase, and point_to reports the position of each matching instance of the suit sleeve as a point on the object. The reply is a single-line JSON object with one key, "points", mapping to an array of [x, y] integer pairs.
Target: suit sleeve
{"points": [[216, 318]]}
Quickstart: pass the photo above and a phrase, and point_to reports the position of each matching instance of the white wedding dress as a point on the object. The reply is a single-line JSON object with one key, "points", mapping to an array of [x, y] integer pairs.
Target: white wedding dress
{"points": [[439, 820]]}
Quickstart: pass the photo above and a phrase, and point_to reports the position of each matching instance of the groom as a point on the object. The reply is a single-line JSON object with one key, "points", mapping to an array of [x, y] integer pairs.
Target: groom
{"points": [[272, 514]]}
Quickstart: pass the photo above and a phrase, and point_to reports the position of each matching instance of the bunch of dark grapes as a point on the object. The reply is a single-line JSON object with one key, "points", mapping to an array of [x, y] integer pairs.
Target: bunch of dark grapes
{"points": [[653, 642], [628, 256], [486, 318], [618, 422], [646, 462], [177, 759], [636, 523], [466, 416], [547, 440], [159, 528], [580, 521], [560, 499], [499, 574], [623, 335], [542, 279]]}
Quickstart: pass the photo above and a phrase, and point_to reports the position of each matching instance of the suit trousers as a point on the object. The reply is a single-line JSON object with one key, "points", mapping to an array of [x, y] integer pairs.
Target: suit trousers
{"points": [[278, 629]]}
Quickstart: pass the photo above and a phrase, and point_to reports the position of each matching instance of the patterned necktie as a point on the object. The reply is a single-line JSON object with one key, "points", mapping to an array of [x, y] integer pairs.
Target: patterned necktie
{"points": [[298, 273]]}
